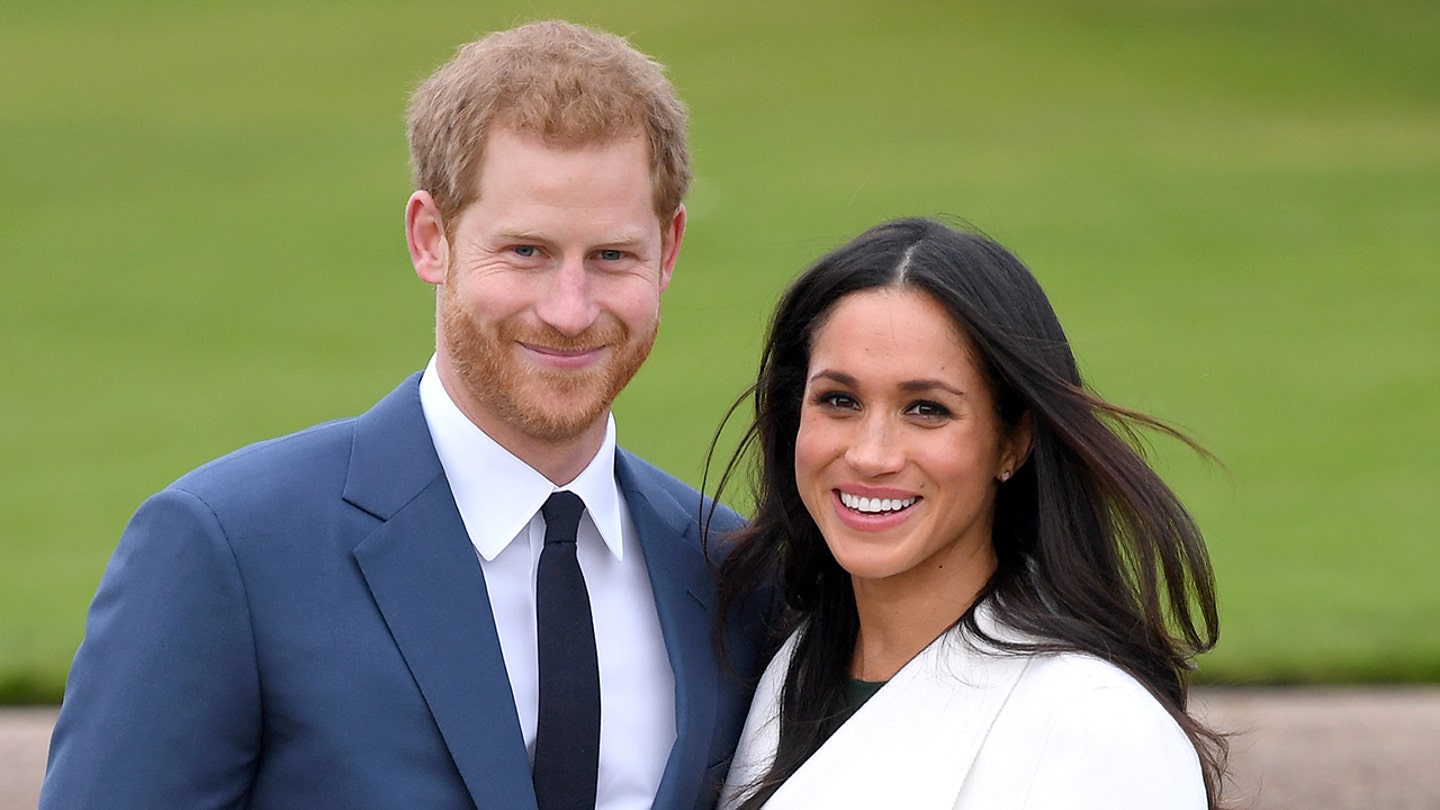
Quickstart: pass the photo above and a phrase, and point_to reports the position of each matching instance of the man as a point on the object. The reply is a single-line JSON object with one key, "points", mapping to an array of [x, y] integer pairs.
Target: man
{"points": [[356, 615]]}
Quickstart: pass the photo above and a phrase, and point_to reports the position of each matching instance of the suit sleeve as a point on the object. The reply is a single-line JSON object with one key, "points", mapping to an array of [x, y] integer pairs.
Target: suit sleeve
{"points": [[162, 705], [1115, 749]]}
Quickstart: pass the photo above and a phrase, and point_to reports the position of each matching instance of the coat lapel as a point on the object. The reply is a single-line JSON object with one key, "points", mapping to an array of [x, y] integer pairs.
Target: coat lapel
{"points": [[426, 580], [913, 743], [684, 590]]}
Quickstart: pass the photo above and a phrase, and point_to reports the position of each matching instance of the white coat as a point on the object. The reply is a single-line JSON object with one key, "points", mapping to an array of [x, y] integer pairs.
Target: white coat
{"points": [[968, 728]]}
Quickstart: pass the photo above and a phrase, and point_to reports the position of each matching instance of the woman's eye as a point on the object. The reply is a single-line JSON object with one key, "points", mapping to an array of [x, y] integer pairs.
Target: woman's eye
{"points": [[836, 399], [932, 410]]}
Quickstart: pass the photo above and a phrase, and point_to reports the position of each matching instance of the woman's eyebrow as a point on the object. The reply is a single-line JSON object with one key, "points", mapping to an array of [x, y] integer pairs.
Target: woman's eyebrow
{"points": [[917, 386], [908, 386]]}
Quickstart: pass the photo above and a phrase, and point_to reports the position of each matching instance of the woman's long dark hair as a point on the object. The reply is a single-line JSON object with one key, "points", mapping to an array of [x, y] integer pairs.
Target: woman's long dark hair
{"points": [[1096, 554]]}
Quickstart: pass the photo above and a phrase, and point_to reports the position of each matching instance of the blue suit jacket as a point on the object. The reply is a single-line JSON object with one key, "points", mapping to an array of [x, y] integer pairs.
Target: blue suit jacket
{"points": [[304, 623]]}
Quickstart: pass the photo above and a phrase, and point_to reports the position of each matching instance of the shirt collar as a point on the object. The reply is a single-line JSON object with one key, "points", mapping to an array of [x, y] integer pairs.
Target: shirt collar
{"points": [[497, 493]]}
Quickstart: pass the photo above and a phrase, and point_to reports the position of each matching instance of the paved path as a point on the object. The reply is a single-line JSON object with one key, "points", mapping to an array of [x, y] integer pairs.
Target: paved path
{"points": [[1362, 748], [24, 735], [1352, 748]]}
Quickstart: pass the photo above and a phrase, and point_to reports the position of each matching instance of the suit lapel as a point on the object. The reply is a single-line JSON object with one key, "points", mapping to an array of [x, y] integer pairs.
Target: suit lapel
{"points": [[424, 576], [684, 590]]}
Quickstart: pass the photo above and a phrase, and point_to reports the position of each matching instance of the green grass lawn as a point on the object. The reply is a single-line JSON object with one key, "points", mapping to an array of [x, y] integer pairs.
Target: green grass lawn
{"points": [[1235, 207]]}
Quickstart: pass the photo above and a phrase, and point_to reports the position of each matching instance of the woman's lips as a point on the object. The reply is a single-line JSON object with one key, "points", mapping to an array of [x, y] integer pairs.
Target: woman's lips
{"points": [[873, 510]]}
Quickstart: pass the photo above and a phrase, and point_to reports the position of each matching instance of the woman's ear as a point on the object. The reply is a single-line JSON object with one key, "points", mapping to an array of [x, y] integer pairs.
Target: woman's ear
{"points": [[1018, 442]]}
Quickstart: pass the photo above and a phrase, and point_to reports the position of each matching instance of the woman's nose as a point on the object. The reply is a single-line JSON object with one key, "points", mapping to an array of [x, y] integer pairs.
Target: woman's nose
{"points": [[874, 450]]}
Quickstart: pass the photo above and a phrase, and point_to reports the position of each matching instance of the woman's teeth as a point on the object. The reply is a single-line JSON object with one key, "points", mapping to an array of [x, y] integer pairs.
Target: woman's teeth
{"points": [[875, 505]]}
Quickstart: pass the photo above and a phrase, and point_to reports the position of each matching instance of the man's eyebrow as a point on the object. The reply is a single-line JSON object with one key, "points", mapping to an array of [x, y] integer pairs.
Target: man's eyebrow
{"points": [[624, 238], [507, 234]]}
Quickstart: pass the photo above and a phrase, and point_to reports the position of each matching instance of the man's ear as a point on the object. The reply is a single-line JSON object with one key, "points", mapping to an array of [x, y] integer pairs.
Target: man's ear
{"points": [[670, 235], [425, 236]]}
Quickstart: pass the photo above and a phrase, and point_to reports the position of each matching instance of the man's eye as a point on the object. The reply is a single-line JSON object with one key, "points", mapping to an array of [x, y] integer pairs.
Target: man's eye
{"points": [[526, 251], [611, 255]]}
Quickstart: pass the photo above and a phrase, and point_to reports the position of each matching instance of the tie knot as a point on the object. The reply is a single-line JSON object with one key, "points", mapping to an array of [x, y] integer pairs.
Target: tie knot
{"points": [[562, 511]]}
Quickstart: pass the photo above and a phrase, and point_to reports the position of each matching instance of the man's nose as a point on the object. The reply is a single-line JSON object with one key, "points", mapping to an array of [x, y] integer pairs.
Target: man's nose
{"points": [[568, 305]]}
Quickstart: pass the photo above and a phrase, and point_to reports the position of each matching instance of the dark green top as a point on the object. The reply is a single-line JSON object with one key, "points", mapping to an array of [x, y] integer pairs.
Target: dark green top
{"points": [[859, 691]]}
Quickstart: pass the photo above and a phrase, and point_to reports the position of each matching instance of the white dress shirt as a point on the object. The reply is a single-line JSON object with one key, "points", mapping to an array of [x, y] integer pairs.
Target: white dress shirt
{"points": [[499, 497]]}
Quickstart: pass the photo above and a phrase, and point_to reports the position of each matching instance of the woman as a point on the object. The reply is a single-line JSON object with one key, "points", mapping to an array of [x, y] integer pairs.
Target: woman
{"points": [[992, 600]]}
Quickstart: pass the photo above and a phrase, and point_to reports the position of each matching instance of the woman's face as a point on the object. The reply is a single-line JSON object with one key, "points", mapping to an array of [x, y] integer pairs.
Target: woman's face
{"points": [[899, 448]]}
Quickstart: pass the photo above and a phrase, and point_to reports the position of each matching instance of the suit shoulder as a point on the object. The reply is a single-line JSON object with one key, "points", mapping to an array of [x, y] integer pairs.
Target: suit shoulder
{"points": [[283, 463], [647, 476]]}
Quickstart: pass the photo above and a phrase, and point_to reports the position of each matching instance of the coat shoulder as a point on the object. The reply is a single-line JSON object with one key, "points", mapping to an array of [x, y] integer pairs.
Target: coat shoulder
{"points": [[1080, 731]]}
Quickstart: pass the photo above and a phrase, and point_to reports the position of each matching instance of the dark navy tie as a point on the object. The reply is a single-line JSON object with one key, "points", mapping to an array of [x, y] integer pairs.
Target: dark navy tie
{"points": [[567, 735]]}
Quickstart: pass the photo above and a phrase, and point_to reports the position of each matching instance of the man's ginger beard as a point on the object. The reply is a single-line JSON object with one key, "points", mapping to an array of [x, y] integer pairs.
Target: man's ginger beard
{"points": [[547, 404]]}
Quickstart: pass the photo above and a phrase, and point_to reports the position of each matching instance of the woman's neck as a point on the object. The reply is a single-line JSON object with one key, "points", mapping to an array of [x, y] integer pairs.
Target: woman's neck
{"points": [[899, 619]]}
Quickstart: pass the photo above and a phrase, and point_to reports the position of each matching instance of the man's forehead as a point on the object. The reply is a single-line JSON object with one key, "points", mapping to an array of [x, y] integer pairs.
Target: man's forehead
{"points": [[507, 140]]}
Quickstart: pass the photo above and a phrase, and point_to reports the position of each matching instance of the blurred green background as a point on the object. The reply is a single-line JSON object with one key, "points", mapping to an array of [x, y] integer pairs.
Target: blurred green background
{"points": [[1235, 207]]}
